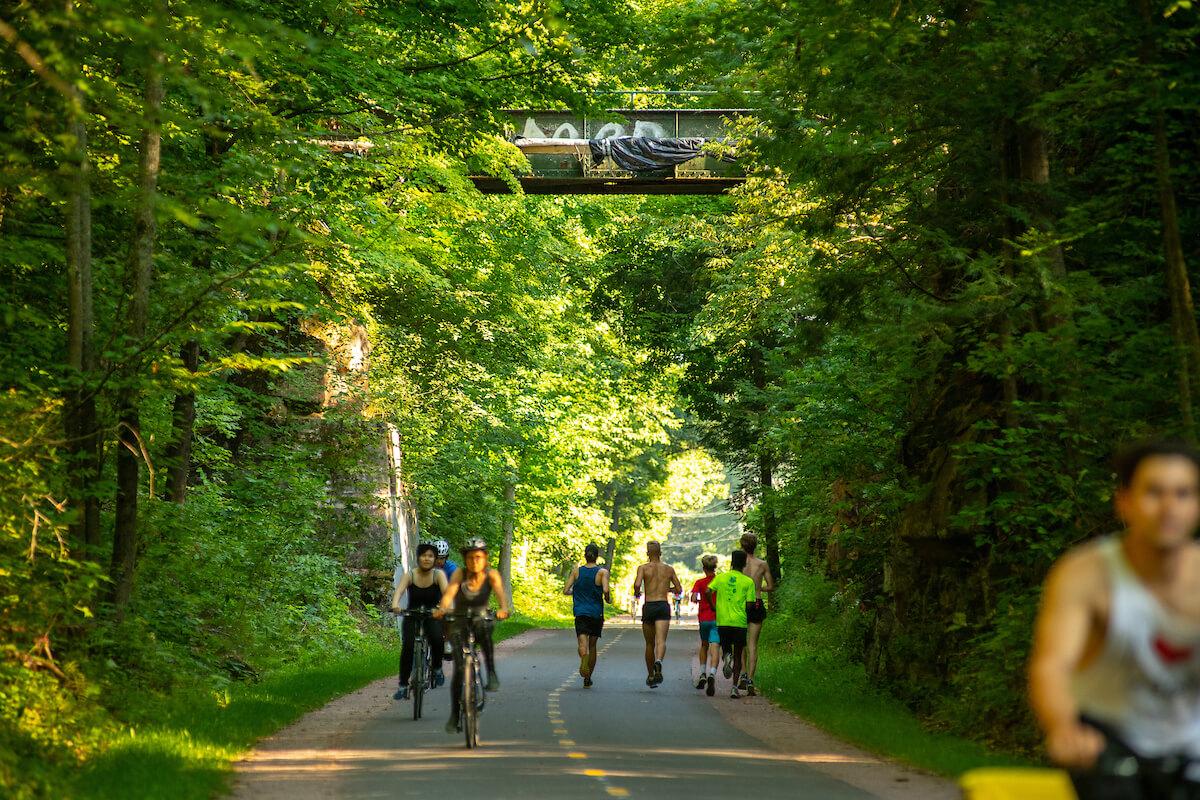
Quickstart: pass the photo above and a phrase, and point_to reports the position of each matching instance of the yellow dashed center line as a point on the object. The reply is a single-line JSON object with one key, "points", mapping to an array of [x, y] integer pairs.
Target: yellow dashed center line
{"points": [[554, 714]]}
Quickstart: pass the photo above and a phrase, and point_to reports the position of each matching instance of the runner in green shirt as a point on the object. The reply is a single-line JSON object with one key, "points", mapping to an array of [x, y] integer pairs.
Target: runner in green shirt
{"points": [[730, 592]]}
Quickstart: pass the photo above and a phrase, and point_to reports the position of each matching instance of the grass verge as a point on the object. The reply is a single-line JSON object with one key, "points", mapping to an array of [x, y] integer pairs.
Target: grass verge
{"points": [[840, 699], [186, 747]]}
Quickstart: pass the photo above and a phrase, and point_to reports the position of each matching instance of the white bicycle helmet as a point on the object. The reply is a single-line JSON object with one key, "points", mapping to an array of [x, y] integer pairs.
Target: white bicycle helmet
{"points": [[474, 543], [442, 547]]}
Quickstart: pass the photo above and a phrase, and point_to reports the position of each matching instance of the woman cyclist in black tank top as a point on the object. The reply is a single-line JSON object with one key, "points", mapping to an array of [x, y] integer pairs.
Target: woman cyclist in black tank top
{"points": [[424, 587], [471, 588]]}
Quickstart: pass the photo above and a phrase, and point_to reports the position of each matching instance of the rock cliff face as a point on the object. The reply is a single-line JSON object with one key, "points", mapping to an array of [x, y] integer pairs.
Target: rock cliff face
{"points": [[373, 500]]}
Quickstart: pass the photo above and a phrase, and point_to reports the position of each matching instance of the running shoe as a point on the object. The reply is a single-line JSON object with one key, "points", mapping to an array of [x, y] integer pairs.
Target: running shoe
{"points": [[650, 680], [401, 693], [703, 680], [493, 683], [439, 679], [744, 682], [658, 678], [711, 689], [733, 693], [750, 692], [727, 664], [587, 681]]}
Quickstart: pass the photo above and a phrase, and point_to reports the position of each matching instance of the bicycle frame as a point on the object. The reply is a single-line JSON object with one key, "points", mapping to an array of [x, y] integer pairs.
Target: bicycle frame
{"points": [[421, 677], [473, 696]]}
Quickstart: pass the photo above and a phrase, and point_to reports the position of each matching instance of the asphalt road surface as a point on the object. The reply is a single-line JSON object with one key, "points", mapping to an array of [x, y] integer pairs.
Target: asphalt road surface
{"points": [[545, 736]]}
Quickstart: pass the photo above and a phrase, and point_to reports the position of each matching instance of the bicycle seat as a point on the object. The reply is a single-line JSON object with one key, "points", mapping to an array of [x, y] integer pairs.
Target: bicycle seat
{"points": [[1008, 783]]}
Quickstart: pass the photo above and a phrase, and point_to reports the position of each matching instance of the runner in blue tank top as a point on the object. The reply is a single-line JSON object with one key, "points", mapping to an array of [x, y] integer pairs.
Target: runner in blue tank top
{"points": [[588, 587]]}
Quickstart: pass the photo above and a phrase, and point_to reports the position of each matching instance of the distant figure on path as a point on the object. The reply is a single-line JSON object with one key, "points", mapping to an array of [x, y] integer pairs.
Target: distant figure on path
{"points": [[756, 611], [1115, 674], [657, 578], [588, 587], [732, 592], [710, 639]]}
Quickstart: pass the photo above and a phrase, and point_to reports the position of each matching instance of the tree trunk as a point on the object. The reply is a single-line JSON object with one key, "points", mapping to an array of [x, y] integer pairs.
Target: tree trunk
{"points": [[766, 482], [80, 418], [1178, 282], [614, 517], [1183, 312], [510, 498], [183, 422], [141, 262]]}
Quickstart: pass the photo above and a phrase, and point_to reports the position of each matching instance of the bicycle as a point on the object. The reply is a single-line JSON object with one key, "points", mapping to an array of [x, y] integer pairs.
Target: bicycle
{"points": [[473, 696], [1152, 779], [1012, 783], [422, 670]]}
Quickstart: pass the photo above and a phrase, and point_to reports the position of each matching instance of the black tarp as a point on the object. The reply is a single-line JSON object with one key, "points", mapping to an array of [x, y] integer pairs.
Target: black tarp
{"points": [[645, 153]]}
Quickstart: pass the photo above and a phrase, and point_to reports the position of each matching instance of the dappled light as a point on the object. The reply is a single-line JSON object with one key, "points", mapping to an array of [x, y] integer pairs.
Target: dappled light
{"points": [[853, 345]]}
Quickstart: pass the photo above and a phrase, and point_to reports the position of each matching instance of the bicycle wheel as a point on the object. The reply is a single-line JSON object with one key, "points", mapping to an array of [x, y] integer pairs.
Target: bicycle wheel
{"points": [[468, 713], [418, 678]]}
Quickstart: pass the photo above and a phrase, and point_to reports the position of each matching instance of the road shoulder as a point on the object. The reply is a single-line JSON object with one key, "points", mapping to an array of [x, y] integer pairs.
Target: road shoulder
{"points": [[783, 732]]}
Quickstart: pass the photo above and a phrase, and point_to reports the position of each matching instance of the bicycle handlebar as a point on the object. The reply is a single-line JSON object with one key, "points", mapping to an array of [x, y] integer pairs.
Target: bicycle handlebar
{"points": [[470, 614]]}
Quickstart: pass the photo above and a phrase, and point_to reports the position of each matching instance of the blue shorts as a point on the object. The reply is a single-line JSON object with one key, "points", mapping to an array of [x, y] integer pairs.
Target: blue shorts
{"points": [[708, 633]]}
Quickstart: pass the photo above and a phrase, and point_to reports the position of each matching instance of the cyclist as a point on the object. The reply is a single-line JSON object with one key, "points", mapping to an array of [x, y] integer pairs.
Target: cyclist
{"points": [[423, 587], [443, 558], [1115, 674], [707, 614], [448, 567], [657, 578], [588, 587], [472, 588]]}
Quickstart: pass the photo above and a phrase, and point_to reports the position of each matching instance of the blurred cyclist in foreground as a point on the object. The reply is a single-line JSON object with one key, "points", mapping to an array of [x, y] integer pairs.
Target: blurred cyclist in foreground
{"points": [[1115, 675]]}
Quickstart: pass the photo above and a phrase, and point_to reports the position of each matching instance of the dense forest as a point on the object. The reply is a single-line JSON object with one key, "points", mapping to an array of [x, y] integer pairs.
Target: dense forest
{"points": [[258, 323]]}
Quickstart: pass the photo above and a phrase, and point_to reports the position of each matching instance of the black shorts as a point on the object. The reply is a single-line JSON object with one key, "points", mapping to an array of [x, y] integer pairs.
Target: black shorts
{"points": [[731, 635], [589, 626], [655, 611], [756, 612]]}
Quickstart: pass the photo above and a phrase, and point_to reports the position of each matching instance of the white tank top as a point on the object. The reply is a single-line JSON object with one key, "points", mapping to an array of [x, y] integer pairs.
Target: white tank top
{"points": [[1145, 683]]}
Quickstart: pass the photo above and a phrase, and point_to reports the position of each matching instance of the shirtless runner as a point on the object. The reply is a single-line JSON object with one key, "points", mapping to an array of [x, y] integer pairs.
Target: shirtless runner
{"points": [[756, 612], [1115, 674], [658, 579]]}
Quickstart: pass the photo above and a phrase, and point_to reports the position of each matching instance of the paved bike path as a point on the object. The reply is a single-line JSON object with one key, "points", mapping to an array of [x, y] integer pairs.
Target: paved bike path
{"points": [[545, 736]]}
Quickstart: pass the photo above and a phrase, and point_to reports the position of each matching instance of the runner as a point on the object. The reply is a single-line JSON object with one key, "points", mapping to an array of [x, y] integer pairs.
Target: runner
{"points": [[1115, 675], [657, 578], [709, 635], [422, 587], [588, 587], [731, 593], [756, 611], [472, 587]]}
